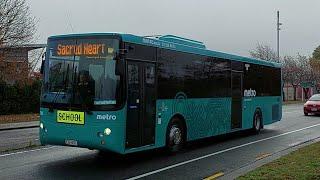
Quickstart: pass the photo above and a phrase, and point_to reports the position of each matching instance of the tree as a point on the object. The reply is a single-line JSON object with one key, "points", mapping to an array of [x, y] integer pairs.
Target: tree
{"points": [[315, 66], [316, 53], [17, 25], [315, 60], [306, 73], [296, 70], [264, 52], [290, 72]]}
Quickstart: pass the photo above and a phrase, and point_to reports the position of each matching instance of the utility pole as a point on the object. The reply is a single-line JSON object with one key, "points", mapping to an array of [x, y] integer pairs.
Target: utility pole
{"points": [[278, 30]]}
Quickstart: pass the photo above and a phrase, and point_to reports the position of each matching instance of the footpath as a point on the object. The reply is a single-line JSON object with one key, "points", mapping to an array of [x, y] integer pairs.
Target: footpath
{"points": [[21, 125]]}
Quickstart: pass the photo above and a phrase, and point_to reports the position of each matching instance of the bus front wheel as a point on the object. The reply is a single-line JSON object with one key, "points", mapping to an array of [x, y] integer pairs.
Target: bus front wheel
{"points": [[175, 136]]}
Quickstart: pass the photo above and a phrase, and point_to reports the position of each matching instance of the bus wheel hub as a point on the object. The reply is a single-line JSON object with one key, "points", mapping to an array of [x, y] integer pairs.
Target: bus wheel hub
{"points": [[175, 135]]}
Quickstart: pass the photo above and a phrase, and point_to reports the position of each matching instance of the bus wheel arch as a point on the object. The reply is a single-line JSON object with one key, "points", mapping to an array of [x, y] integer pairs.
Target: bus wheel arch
{"points": [[176, 133], [257, 123]]}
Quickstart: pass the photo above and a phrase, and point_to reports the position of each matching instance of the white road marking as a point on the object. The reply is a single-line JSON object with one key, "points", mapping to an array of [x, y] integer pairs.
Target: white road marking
{"points": [[21, 152], [294, 144], [219, 152], [288, 112], [293, 110]]}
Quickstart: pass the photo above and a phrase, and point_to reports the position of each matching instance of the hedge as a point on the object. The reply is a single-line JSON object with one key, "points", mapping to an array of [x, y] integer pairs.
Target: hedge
{"points": [[17, 99]]}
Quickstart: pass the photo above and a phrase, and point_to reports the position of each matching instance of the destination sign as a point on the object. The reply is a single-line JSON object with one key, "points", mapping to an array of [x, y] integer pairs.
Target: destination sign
{"points": [[83, 49]]}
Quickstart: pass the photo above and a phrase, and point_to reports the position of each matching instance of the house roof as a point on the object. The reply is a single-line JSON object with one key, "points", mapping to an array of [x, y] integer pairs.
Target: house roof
{"points": [[24, 46]]}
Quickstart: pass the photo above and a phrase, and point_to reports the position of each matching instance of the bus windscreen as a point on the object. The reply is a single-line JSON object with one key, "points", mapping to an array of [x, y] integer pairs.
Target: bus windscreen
{"points": [[82, 71]]}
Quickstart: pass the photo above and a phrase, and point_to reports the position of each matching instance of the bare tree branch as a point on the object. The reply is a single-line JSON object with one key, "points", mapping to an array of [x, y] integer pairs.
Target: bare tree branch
{"points": [[17, 26], [263, 52]]}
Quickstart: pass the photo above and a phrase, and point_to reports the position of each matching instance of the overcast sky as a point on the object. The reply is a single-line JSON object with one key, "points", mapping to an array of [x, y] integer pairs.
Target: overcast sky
{"points": [[233, 26]]}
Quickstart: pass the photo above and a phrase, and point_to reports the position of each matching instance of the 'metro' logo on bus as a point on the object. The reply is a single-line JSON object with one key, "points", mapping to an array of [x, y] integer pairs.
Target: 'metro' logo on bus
{"points": [[106, 117], [249, 93]]}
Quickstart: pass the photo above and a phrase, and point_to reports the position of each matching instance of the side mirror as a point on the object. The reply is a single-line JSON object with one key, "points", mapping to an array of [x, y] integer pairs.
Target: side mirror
{"points": [[42, 67], [42, 63], [120, 66]]}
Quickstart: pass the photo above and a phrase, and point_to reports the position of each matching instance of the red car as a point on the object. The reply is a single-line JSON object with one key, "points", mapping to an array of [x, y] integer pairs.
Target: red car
{"points": [[312, 106]]}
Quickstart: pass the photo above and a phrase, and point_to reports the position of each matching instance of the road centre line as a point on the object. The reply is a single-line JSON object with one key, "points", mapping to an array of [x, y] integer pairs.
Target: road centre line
{"points": [[214, 176], [288, 112], [219, 152], [21, 152]]}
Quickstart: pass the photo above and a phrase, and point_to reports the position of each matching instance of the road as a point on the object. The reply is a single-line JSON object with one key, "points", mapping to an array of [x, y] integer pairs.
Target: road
{"points": [[226, 154]]}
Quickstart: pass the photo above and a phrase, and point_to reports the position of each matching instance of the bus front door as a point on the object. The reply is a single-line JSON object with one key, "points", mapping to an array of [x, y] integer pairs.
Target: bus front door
{"points": [[140, 125]]}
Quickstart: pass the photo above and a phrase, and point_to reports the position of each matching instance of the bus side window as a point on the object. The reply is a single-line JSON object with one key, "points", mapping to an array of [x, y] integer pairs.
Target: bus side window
{"points": [[150, 75], [133, 77]]}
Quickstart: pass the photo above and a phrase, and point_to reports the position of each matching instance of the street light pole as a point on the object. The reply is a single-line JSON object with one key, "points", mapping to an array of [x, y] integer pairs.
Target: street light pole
{"points": [[278, 39]]}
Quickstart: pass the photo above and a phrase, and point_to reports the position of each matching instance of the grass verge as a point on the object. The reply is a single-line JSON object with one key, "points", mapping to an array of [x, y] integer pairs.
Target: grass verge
{"points": [[15, 118], [303, 163]]}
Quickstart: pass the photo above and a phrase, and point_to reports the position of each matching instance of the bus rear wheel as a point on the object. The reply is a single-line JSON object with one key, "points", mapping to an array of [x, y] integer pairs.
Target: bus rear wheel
{"points": [[257, 122], [175, 136]]}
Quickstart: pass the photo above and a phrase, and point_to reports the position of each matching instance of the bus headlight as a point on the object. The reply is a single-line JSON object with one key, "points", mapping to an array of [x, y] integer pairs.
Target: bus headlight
{"points": [[41, 125], [107, 131]]}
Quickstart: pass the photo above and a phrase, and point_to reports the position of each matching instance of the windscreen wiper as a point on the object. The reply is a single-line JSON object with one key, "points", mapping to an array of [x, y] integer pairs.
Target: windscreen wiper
{"points": [[60, 90], [73, 85], [66, 79]]}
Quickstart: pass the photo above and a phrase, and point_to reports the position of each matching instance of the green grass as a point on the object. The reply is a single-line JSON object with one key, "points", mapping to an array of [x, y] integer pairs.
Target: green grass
{"points": [[303, 163]]}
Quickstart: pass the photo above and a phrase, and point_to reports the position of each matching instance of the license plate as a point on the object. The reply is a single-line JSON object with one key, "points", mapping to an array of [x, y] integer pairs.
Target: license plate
{"points": [[314, 109], [71, 142], [70, 117]]}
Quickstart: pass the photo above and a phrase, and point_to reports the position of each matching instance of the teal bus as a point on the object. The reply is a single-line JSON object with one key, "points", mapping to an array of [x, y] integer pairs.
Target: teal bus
{"points": [[126, 93]]}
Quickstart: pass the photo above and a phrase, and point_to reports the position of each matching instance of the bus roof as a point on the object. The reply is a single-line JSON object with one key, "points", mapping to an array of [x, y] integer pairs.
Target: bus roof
{"points": [[175, 43]]}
